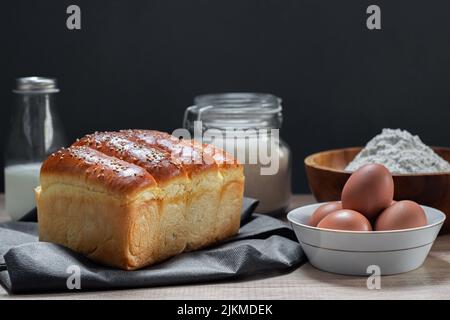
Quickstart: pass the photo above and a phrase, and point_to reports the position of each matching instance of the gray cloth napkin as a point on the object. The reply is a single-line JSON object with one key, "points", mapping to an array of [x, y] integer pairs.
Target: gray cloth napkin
{"points": [[264, 245]]}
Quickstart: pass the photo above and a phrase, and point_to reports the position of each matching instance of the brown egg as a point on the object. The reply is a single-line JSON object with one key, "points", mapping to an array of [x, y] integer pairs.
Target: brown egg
{"points": [[369, 190], [402, 215], [345, 219], [322, 211]]}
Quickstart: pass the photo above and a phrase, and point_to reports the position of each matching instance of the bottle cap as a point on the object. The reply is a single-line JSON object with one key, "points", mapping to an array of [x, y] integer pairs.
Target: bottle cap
{"points": [[36, 85]]}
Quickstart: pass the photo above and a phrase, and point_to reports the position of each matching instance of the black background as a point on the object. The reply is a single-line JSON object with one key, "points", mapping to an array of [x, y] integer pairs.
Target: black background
{"points": [[140, 63]]}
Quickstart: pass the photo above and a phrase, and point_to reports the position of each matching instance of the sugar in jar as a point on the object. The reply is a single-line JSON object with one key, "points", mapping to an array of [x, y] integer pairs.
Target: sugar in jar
{"points": [[247, 125]]}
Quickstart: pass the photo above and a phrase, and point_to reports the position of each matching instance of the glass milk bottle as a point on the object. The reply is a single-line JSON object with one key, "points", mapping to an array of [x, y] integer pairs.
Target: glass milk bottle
{"points": [[35, 132], [248, 124]]}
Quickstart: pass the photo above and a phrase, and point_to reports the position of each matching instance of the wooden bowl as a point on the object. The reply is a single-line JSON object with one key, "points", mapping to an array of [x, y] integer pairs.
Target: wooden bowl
{"points": [[326, 178]]}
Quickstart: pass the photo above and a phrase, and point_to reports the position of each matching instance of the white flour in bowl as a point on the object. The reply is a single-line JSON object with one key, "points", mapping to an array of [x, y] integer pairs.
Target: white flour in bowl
{"points": [[400, 152]]}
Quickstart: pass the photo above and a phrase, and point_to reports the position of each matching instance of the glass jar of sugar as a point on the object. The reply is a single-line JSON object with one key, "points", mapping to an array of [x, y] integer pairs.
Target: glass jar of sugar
{"points": [[246, 125], [35, 132]]}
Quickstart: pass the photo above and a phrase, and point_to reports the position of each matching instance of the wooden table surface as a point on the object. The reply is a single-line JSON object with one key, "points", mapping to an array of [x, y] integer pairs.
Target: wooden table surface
{"points": [[431, 281]]}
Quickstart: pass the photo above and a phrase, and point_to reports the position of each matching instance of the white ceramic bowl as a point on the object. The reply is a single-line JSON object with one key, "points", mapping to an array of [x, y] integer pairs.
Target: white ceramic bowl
{"points": [[352, 252]]}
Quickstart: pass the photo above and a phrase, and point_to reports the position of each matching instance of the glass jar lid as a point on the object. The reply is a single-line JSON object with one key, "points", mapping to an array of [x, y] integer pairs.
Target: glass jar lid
{"points": [[235, 110]]}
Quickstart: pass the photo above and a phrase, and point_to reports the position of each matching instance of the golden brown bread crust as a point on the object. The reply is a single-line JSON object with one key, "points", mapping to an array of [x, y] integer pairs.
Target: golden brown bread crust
{"points": [[97, 169], [187, 152], [136, 197], [156, 161]]}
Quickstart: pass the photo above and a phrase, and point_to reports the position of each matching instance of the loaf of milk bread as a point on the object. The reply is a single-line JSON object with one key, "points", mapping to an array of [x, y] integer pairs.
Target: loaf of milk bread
{"points": [[133, 198]]}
